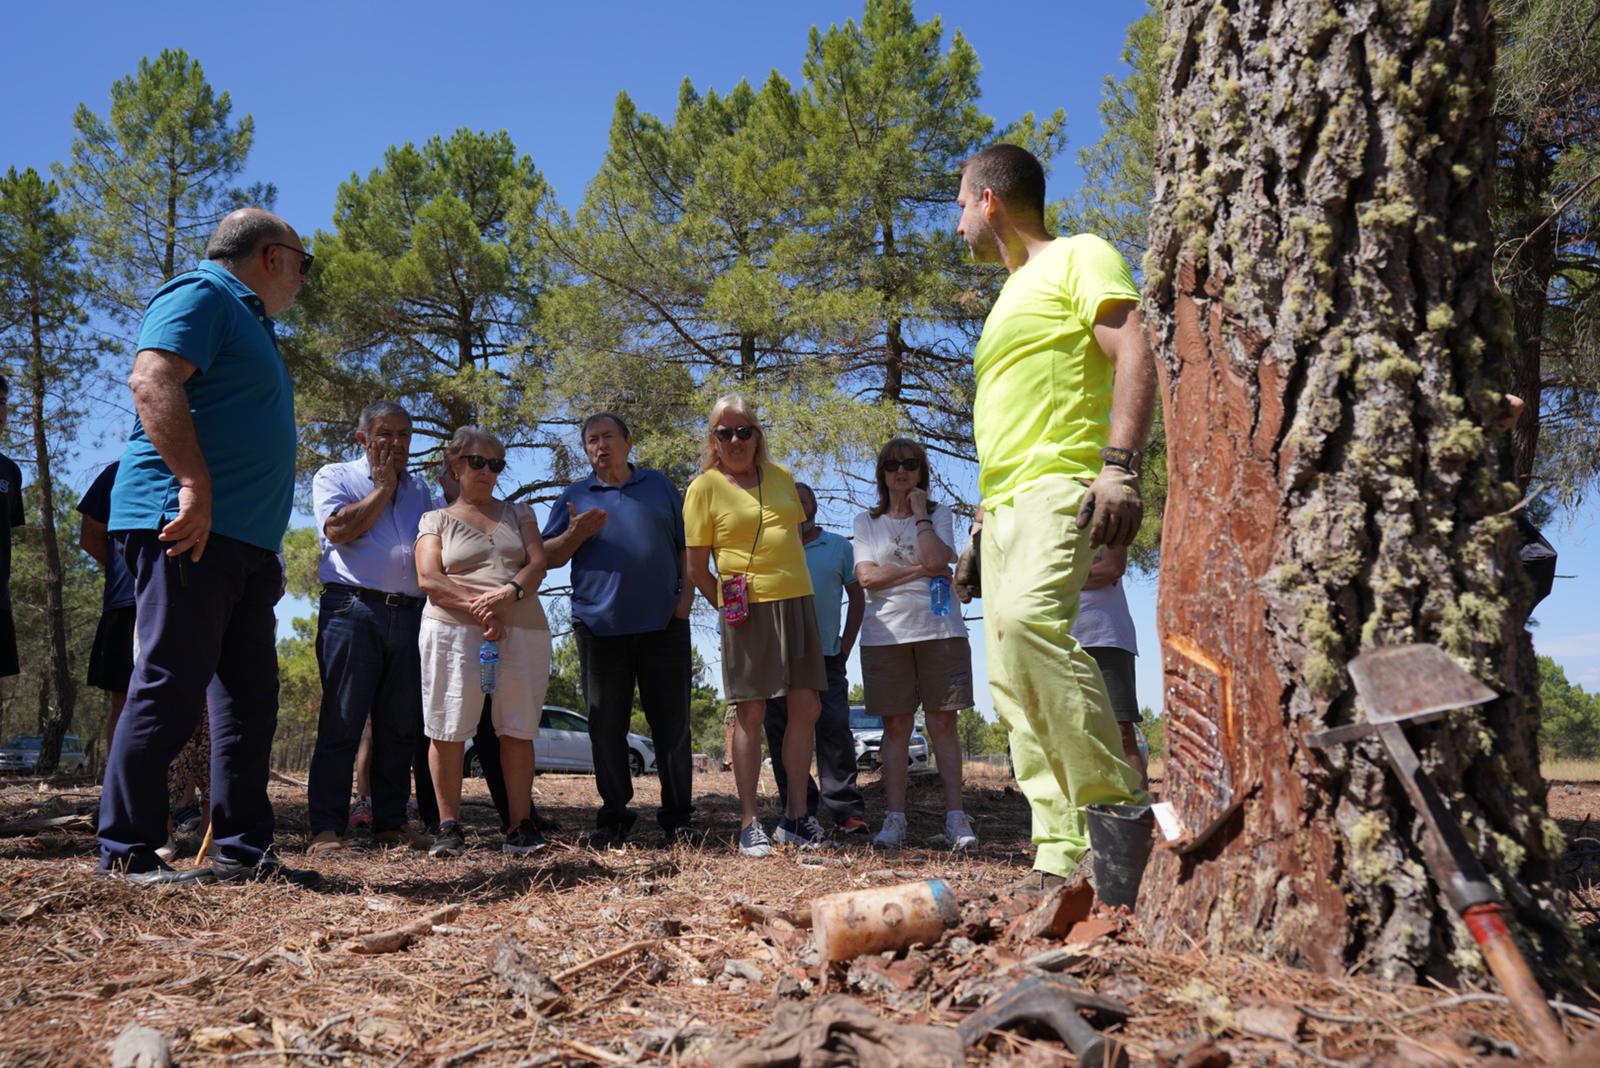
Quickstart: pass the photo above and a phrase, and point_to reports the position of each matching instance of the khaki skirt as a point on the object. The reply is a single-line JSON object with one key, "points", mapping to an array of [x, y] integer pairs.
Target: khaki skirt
{"points": [[776, 650]]}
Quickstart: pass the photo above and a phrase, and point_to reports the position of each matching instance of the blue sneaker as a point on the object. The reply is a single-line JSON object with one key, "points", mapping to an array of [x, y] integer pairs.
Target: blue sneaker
{"points": [[753, 840], [805, 833]]}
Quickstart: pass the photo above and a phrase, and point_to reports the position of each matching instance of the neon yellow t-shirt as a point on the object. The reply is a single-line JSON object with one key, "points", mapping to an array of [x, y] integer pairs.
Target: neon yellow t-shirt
{"points": [[1043, 404], [726, 517]]}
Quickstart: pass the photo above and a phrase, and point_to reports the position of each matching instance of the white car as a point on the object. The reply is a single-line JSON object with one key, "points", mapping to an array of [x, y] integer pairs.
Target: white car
{"points": [[563, 745], [868, 732]]}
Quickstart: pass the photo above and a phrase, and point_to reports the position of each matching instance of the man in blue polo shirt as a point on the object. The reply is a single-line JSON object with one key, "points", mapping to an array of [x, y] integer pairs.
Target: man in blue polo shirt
{"points": [[622, 528], [198, 511], [832, 563]]}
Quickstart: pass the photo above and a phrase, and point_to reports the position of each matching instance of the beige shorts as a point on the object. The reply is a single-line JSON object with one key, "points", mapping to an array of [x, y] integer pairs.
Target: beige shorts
{"points": [[934, 675], [452, 699], [776, 650]]}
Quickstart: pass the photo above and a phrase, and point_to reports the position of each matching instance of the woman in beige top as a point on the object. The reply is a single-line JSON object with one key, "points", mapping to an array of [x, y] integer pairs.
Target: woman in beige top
{"points": [[480, 562]]}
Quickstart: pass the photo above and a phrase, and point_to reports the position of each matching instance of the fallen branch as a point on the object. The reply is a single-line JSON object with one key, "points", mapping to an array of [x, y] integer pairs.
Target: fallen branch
{"points": [[605, 958], [398, 938], [749, 914], [45, 823]]}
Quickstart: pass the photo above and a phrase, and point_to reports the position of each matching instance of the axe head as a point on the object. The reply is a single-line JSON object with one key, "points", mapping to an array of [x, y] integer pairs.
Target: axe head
{"points": [[1405, 684]]}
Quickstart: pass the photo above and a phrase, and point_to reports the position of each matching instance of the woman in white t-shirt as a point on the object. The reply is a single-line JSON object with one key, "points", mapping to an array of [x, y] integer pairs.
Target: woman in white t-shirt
{"points": [[911, 655]]}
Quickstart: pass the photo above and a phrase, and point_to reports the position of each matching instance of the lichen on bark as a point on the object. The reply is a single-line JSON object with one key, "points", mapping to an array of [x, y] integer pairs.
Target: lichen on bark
{"points": [[1319, 294]]}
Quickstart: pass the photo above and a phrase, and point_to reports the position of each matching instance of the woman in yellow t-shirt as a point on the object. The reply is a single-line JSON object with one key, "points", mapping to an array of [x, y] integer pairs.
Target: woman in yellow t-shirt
{"points": [[744, 508]]}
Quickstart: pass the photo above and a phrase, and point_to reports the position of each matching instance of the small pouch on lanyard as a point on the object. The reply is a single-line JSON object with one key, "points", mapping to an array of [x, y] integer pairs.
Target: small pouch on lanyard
{"points": [[735, 600]]}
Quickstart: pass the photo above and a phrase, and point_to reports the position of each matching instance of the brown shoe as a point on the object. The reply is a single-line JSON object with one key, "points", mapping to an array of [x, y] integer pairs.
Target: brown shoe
{"points": [[325, 842], [406, 836]]}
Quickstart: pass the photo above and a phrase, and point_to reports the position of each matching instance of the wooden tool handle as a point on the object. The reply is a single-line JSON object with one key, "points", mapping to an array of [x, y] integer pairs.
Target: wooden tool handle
{"points": [[1488, 926]]}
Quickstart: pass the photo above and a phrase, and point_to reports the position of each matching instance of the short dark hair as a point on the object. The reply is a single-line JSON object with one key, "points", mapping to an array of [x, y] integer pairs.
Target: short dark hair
{"points": [[1012, 173], [239, 235], [378, 410], [622, 425]]}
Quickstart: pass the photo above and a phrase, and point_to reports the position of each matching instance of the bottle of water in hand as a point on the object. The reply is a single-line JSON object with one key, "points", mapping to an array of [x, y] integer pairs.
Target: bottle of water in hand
{"points": [[939, 596], [488, 665]]}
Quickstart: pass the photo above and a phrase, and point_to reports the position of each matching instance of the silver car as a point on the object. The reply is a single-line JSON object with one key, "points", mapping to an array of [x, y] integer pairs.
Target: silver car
{"points": [[563, 745], [868, 732], [20, 755]]}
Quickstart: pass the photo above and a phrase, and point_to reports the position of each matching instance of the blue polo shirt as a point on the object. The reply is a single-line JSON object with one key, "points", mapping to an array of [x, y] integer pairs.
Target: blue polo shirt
{"points": [[241, 400], [832, 563], [625, 578]]}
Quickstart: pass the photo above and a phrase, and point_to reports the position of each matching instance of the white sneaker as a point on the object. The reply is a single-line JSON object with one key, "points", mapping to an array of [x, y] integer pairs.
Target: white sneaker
{"points": [[168, 851], [958, 833], [893, 834], [753, 840]]}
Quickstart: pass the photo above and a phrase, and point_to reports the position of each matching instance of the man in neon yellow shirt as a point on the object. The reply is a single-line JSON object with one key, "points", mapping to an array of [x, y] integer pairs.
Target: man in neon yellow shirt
{"points": [[1065, 387]]}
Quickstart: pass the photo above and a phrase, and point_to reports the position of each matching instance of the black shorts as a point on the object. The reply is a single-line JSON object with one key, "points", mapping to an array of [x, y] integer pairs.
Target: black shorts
{"points": [[9, 664], [1116, 665], [111, 659]]}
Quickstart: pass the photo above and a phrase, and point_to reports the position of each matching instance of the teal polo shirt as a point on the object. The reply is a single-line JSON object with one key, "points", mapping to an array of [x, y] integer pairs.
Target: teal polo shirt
{"points": [[241, 400], [832, 563]]}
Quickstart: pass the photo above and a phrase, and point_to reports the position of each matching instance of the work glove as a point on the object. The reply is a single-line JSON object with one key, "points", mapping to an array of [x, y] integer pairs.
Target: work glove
{"points": [[969, 578], [1113, 504]]}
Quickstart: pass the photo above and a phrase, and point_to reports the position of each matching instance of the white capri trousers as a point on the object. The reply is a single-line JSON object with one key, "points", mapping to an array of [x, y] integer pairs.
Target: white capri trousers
{"points": [[452, 699]]}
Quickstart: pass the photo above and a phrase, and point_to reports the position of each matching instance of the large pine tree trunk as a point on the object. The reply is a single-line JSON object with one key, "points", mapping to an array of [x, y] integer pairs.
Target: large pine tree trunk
{"points": [[55, 719], [1321, 301]]}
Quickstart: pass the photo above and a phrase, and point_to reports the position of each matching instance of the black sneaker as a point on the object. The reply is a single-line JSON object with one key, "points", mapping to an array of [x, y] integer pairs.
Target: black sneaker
{"points": [[608, 837], [186, 819], [686, 834], [449, 842], [544, 824], [161, 875], [268, 868], [525, 839]]}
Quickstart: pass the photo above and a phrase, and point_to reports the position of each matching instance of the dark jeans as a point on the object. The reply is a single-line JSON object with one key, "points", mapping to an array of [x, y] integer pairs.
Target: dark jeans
{"points": [[486, 744], [661, 663], [370, 666], [207, 639], [836, 748]]}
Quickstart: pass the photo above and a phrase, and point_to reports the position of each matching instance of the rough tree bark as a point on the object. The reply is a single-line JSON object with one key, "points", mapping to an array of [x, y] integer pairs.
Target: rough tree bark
{"points": [[1319, 293], [55, 717]]}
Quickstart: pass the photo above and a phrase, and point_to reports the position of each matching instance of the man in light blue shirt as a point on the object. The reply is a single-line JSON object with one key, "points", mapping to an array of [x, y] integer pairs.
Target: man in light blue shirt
{"points": [[367, 513], [831, 561]]}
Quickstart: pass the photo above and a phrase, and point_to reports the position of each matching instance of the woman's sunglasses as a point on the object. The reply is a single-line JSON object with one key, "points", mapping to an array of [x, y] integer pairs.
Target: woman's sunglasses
{"points": [[910, 463], [743, 433], [478, 463]]}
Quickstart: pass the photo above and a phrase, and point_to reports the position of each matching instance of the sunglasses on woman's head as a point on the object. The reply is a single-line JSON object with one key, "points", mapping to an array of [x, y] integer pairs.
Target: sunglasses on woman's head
{"points": [[478, 463], [744, 433], [910, 463]]}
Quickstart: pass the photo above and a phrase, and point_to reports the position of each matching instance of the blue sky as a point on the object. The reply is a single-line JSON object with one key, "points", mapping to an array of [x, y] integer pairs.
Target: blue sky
{"points": [[331, 85]]}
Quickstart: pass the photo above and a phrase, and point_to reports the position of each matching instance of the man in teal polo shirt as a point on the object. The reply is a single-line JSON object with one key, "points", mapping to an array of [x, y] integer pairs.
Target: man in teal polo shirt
{"points": [[198, 511]]}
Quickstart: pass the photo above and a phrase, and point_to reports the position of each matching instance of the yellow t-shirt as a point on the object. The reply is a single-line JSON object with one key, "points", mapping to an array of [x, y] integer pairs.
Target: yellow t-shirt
{"points": [[1043, 404], [726, 517]]}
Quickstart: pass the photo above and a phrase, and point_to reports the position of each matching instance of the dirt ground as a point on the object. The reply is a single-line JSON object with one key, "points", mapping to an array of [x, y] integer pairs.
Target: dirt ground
{"points": [[639, 956]]}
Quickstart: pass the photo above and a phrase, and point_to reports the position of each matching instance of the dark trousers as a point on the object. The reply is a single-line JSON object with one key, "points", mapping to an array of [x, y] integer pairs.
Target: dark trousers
{"points": [[486, 744], [371, 669], [206, 639], [836, 748], [661, 664]]}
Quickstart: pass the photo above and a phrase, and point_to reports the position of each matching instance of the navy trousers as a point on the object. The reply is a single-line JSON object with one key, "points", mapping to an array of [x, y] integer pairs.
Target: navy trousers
{"points": [[661, 663], [207, 638], [371, 669], [836, 748]]}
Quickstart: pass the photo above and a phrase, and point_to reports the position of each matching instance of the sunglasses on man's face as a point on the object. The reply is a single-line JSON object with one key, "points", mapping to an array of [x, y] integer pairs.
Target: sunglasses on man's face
{"points": [[743, 433], [910, 463], [478, 463], [305, 257]]}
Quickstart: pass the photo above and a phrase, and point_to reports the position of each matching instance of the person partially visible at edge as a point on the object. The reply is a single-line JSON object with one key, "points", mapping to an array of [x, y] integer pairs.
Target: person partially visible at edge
{"points": [[744, 508], [622, 529], [111, 657], [1104, 628], [1065, 386], [368, 621], [480, 562], [198, 510], [831, 563], [911, 656], [11, 501]]}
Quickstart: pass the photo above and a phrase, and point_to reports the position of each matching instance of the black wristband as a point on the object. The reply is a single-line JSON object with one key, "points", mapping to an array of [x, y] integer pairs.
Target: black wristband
{"points": [[927, 521], [514, 584]]}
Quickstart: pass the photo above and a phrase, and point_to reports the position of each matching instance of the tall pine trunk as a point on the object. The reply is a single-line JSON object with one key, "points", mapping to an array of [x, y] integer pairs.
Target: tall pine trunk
{"points": [[55, 716], [1321, 300]]}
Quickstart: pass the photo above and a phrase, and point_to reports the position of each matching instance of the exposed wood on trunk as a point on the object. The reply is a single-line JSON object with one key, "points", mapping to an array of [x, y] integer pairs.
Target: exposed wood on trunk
{"points": [[1321, 299]]}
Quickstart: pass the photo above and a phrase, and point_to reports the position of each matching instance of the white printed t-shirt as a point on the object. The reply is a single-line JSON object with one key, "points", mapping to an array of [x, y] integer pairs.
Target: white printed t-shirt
{"points": [[902, 613]]}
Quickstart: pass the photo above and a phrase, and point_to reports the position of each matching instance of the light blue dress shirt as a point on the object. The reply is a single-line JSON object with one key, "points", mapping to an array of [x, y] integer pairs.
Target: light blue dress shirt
{"points": [[385, 557]]}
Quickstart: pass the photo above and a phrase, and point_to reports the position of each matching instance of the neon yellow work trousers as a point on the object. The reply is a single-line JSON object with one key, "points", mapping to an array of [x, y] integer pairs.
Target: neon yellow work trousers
{"points": [[1046, 689]]}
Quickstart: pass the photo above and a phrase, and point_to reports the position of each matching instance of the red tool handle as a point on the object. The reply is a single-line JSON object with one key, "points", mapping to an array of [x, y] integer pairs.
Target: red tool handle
{"points": [[1487, 923]]}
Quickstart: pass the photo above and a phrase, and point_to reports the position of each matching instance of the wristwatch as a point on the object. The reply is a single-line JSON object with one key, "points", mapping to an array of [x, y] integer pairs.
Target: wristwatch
{"points": [[1127, 459], [514, 584]]}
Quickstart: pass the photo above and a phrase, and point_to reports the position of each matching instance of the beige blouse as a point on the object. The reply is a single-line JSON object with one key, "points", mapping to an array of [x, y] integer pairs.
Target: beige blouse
{"points": [[482, 562]]}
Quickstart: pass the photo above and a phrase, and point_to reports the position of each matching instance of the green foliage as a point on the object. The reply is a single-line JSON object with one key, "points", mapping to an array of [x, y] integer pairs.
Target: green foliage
{"points": [[566, 676], [302, 555], [1571, 724], [150, 180], [299, 696], [1154, 729], [977, 735], [426, 292]]}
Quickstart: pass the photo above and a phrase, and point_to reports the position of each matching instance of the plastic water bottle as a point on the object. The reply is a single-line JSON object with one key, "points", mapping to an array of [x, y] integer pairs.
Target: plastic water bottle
{"points": [[488, 665], [939, 596]]}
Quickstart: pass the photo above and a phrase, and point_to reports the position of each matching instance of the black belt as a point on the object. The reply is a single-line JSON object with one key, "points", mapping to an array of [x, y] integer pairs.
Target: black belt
{"points": [[401, 600]]}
